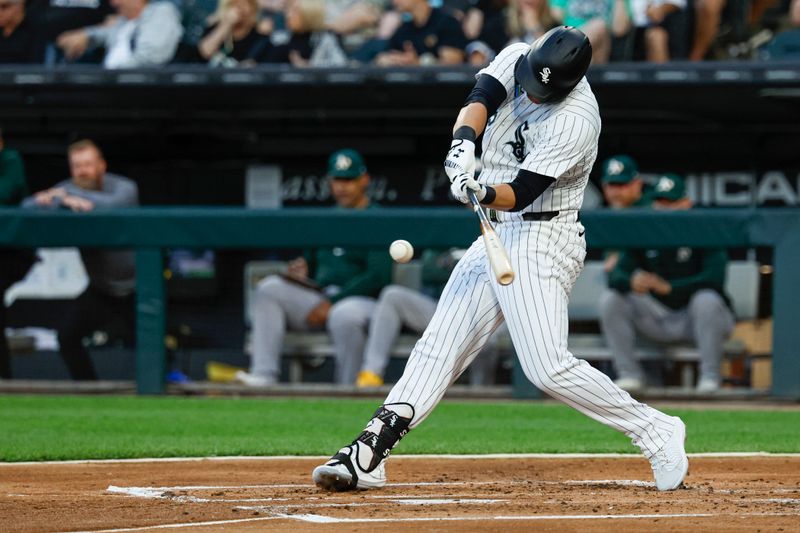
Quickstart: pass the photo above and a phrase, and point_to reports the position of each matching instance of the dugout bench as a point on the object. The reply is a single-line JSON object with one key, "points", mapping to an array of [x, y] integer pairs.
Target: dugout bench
{"points": [[151, 230], [741, 284]]}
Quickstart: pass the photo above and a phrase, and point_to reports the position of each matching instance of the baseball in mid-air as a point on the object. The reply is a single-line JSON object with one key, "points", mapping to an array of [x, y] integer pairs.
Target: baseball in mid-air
{"points": [[401, 251]]}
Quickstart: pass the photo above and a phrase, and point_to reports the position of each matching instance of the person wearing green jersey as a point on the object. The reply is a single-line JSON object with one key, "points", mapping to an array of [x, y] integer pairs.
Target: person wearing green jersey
{"points": [[326, 288], [623, 187], [667, 295]]}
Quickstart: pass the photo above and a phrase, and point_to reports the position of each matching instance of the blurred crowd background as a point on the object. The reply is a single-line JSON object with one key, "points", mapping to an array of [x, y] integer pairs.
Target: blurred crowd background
{"points": [[337, 33]]}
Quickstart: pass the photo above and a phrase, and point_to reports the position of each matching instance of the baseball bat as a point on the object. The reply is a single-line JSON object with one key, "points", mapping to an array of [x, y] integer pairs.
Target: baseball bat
{"points": [[498, 257]]}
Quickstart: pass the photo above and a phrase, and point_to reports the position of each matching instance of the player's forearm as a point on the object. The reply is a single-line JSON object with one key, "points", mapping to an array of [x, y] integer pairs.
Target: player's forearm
{"points": [[473, 115], [505, 198]]}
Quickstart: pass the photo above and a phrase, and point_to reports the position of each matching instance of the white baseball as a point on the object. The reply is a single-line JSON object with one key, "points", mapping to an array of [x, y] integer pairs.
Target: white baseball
{"points": [[401, 251]]}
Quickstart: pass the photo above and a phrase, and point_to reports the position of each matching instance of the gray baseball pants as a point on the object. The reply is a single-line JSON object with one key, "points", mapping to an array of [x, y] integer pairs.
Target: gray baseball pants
{"points": [[400, 307], [706, 321], [280, 305]]}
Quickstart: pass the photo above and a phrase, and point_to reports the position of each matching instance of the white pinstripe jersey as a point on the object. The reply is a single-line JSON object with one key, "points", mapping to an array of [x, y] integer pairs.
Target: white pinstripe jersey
{"points": [[558, 140]]}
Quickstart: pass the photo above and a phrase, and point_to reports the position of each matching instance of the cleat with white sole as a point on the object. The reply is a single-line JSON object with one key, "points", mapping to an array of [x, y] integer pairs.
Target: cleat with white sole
{"points": [[670, 464], [343, 472]]}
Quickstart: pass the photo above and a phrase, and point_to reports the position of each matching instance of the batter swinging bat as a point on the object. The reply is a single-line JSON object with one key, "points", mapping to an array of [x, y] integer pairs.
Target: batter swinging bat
{"points": [[498, 257]]}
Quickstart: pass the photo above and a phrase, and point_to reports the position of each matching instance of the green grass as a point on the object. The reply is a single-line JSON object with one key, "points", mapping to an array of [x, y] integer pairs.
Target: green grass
{"points": [[50, 428]]}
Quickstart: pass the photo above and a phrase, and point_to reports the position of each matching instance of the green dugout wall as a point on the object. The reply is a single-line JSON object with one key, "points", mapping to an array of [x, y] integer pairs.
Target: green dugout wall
{"points": [[150, 230]]}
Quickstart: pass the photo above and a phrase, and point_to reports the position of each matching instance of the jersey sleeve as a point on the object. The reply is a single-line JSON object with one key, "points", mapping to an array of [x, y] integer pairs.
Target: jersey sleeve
{"points": [[502, 67], [562, 142]]}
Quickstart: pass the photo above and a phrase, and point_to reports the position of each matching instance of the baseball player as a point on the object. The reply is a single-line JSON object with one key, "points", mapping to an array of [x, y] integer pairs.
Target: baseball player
{"points": [[332, 288], [540, 126], [667, 295]]}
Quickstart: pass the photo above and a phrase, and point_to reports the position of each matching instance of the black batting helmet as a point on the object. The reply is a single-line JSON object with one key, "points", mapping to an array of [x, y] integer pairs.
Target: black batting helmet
{"points": [[555, 64]]}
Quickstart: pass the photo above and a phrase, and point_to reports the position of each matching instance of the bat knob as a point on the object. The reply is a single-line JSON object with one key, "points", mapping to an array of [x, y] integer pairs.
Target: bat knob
{"points": [[506, 278]]}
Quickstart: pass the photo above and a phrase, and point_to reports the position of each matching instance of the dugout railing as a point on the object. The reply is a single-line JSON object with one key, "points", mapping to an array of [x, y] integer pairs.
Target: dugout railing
{"points": [[152, 230]]}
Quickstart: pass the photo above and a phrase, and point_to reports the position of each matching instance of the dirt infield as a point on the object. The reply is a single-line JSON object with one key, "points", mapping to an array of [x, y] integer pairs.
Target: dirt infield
{"points": [[498, 494]]}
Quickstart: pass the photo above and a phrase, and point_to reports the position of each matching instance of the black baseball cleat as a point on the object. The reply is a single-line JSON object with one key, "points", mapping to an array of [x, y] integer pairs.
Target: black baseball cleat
{"points": [[343, 472]]}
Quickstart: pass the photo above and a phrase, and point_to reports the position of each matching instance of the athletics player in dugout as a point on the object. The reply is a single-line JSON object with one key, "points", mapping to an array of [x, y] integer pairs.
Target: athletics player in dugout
{"points": [[326, 288], [667, 295]]}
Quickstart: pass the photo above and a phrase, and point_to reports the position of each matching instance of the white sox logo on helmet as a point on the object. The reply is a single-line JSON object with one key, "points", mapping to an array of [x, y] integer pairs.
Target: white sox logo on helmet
{"points": [[545, 74]]}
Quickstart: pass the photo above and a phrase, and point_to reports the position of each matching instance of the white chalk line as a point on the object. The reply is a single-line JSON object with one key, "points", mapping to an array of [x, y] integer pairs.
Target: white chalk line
{"points": [[186, 524], [155, 493], [412, 501], [275, 511], [158, 492], [632, 455], [331, 520], [319, 519]]}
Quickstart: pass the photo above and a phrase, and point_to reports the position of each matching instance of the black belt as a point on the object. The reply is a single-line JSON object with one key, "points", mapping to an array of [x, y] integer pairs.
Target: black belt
{"points": [[542, 216]]}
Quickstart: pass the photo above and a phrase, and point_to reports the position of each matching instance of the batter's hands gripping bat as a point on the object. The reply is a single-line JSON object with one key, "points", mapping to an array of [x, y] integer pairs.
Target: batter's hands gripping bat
{"points": [[498, 257]]}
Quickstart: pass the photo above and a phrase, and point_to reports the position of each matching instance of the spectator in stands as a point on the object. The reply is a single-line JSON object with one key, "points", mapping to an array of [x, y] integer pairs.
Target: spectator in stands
{"points": [[20, 39], [333, 287], [785, 45], [623, 187], [195, 16], [661, 29], [14, 263], [110, 294], [708, 14], [311, 44], [521, 21], [54, 17], [271, 15], [430, 37], [233, 39], [400, 307], [667, 295], [485, 21], [144, 34], [598, 19], [355, 21], [526, 21]]}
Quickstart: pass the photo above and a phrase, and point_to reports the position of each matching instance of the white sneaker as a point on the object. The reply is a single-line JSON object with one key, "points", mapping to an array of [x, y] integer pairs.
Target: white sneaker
{"points": [[253, 380], [708, 385], [343, 471], [630, 384], [670, 463]]}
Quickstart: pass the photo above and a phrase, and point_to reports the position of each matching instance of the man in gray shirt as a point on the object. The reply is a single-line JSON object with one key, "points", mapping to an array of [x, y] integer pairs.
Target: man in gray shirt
{"points": [[111, 274], [145, 34]]}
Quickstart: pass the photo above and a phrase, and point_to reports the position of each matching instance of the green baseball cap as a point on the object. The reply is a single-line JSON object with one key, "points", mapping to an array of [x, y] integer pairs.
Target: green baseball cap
{"points": [[669, 187], [619, 169], [346, 164]]}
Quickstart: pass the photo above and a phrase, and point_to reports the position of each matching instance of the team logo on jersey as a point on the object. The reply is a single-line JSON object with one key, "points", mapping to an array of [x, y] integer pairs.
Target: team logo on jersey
{"points": [[684, 254], [518, 144], [545, 74]]}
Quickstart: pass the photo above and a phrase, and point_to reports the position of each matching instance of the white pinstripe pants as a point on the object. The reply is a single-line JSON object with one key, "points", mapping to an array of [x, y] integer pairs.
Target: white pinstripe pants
{"points": [[547, 258]]}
